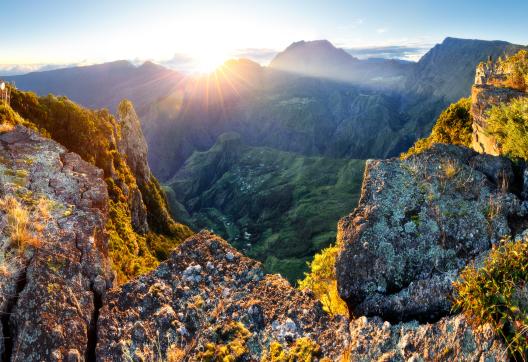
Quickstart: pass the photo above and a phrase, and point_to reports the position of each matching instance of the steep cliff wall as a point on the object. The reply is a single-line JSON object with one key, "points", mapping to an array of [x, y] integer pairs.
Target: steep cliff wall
{"points": [[488, 91]]}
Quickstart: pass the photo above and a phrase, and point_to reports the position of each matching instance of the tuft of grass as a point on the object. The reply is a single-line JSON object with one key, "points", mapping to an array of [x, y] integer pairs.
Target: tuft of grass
{"points": [[450, 169], [23, 230], [175, 354], [322, 281], [497, 294]]}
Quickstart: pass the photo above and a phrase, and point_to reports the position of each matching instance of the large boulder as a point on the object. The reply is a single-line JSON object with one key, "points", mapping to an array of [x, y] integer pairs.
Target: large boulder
{"points": [[53, 250], [208, 295], [419, 221]]}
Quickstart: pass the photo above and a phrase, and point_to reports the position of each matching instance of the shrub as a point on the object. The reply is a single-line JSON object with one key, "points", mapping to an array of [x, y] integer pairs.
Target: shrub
{"points": [[508, 123], [322, 281], [497, 293], [230, 346], [302, 350], [516, 68], [453, 126]]}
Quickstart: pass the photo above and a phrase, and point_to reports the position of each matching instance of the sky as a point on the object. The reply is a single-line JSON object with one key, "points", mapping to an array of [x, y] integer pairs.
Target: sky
{"points": [[201, 34]]}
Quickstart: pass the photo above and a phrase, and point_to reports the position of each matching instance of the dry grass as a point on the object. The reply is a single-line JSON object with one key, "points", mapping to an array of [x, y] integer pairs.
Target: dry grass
{"points": [[43, 208], [6, 127], [450, 169], [175, 354], [9, 264], [23, 231]]}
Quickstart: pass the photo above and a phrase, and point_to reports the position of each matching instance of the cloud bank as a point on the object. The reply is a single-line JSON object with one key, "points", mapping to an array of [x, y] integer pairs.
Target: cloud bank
{"points": [[411, 53]]}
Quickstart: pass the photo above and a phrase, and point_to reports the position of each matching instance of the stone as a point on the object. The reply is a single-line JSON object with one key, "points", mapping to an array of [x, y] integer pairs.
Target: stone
{"points": [[50, 302], [268, 307], [449, 339], [423, 218]]}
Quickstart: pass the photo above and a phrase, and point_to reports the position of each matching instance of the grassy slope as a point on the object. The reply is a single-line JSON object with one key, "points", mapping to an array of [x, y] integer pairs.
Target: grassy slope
{"points": [[93, 135], [276, 206]]}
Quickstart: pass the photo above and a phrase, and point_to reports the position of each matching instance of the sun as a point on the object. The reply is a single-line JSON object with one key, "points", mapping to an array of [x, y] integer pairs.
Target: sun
{"points": [[208, 61]]}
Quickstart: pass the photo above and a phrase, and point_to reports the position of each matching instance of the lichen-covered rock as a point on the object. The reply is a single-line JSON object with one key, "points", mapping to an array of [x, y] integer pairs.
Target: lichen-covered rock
{"points": [[450, 339], [419, 221], [209, 299], [53, 208]]}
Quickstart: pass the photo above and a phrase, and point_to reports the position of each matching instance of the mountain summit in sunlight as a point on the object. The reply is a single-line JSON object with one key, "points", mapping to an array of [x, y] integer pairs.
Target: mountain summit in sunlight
{"points": [[320, 58]]}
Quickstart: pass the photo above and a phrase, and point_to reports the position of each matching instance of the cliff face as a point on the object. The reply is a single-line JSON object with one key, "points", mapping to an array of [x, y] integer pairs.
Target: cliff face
{"points": [[54, 263], [488, 91]]}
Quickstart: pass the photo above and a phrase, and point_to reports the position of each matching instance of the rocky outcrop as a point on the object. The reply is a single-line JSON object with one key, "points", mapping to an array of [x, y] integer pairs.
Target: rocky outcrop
{"points": [[483, 98], [489, 91], [419, 221], [133, 146], [205, 287], [450, 339], [53, 250], [132, 142]]}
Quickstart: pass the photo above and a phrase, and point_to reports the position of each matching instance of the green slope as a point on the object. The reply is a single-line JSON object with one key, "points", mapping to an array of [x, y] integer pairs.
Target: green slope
{"points": [[276, 206]]}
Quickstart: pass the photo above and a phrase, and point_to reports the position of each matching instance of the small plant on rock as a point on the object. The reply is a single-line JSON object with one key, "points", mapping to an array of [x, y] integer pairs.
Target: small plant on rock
{"points": [[302, 350], [230, 346], [321, 280], [497, 293], [23, 231]]}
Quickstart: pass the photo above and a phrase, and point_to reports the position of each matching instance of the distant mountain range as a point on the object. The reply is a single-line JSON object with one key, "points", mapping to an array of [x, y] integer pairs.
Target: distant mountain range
{"points": [[321, 59], [314, 105], [103, 85]]}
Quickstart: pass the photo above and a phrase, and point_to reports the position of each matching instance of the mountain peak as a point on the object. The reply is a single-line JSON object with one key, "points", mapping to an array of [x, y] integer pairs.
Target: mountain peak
{"points": [[150, 65], [313, 58]]}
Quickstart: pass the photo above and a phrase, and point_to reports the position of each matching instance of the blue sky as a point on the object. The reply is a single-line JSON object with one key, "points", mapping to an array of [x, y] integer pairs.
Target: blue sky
{"points": [[202, 33]]}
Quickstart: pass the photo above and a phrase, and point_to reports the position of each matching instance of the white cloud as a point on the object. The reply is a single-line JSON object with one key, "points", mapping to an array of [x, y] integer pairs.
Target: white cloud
{"points": [[18, 69]]}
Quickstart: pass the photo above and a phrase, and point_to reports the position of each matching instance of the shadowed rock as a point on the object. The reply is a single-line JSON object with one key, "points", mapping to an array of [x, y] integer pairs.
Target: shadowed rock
{"points": [[419, 221]]}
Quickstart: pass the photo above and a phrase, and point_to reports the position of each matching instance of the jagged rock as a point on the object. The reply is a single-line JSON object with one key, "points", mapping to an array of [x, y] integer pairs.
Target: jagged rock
{"points": [[419, 221], [133, 145], [55, 273], [450, 339], [204, 286], [132, 142]]}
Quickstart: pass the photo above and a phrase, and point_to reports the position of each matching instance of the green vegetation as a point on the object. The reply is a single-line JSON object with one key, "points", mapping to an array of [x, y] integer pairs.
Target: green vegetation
{"points": [[497, 293], [508, 123], [302, 350], [516, 67], [322, 281], [230, 344], [275, 206], [452, 126], [94, 135]]}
